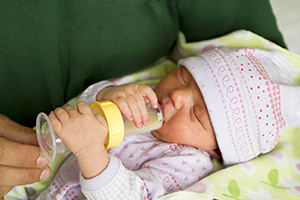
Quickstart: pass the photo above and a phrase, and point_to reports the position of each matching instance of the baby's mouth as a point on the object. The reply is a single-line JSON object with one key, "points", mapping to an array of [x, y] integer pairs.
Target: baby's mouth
{"points": [[162, 106]]}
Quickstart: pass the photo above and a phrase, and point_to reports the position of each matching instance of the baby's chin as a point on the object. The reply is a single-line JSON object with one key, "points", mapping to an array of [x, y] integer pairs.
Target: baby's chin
{"points": [[157, 135]]}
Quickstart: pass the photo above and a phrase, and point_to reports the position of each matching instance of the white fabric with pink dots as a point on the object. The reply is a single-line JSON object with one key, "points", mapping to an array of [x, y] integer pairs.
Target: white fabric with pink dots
{"points": [[142, 167], [250, 97]]}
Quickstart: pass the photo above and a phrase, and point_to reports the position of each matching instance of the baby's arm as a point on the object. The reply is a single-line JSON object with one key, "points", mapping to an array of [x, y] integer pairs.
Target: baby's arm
{"points": [[170, 172], [89, 131], [84, 135], [115, 182]]}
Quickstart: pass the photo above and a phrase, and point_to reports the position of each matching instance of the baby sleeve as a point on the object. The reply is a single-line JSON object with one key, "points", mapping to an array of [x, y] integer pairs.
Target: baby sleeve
{"points": [[89, 94], [172, 171], [115, 182]]}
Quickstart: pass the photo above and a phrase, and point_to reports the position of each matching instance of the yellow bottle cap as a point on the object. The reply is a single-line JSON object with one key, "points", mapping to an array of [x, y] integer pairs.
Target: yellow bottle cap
{"points": [[114, 121]]}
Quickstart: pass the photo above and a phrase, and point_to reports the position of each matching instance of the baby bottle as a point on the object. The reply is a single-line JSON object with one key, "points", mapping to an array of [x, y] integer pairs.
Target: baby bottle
{"points": [[118, 125]]}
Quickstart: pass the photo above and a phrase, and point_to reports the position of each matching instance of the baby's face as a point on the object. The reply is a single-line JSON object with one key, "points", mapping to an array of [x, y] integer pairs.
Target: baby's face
{"points": [[186, 117]]}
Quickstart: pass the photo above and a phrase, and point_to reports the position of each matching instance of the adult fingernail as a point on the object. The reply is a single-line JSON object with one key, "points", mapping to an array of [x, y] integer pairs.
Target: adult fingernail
{"points": [[41, 161], [44, 175]]}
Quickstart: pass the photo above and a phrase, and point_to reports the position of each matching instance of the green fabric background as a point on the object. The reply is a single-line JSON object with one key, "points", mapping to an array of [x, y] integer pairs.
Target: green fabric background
{"points": [[51, 50]]}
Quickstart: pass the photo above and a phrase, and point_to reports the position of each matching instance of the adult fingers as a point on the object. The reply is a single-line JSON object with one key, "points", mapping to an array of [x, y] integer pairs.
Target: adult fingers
{"points": [[4, 190], [12, 176], [20, 155], [16, 132]]}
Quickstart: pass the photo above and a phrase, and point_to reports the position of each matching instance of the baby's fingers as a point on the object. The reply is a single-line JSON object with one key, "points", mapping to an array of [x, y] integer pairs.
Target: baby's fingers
{"points": [[62, 115], [130, 107], [101, 119], [83, 108], [149, 95], [56, 124], [140, 113], [124, 107]]}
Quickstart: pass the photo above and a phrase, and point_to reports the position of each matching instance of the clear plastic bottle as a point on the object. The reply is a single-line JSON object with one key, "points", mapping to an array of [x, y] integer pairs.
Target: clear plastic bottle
{"points": [[51, 145]]}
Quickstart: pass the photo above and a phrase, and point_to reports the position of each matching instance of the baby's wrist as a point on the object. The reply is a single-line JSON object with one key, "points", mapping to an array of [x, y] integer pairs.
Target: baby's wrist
{"points": [[101, 94], [92, 163]]}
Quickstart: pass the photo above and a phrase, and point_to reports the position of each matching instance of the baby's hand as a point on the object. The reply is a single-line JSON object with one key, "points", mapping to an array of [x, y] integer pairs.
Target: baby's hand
{"points": [[80, 130], [131, 99], [84, 134]]}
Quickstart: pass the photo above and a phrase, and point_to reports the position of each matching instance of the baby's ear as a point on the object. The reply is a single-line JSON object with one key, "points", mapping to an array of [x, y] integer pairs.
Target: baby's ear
{"points": [[216, 153]]}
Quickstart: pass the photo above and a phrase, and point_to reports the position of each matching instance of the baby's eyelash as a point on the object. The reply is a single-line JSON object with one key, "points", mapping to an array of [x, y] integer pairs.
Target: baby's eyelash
{"points": [[196, 116], [181, 75]]}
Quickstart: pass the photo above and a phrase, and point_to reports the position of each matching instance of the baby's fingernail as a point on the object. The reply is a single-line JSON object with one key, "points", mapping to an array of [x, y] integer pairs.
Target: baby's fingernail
{"points": [[44, 175], [41, 161], [139, 125], [130, 118], [146, 122], [155, 105]]}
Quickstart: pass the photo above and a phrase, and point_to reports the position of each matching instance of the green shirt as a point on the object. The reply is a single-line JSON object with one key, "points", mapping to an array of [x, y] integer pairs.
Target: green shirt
{"points": [[51, 50]]}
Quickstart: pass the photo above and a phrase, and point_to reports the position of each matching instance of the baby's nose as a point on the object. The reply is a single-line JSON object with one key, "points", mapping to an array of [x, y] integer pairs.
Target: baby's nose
{"points": [[180, 97]]}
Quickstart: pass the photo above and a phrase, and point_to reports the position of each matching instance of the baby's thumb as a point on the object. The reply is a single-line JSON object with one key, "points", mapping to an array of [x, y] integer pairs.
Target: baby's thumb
{"points": [[101, 119]]}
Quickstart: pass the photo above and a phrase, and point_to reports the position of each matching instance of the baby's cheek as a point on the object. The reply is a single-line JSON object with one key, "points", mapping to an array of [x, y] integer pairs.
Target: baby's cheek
{"points": [[173, 133]]}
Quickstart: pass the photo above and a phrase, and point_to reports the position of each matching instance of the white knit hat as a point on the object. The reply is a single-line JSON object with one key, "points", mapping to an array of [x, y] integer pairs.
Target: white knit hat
{"points": [[250, 97]]}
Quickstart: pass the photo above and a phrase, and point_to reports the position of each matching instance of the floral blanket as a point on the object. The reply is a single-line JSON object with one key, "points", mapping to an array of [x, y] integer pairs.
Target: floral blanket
{"points": [[275, 175]]}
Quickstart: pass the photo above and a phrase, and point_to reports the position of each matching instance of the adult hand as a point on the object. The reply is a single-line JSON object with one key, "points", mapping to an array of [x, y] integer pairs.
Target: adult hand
{"points": [[21, 161]]}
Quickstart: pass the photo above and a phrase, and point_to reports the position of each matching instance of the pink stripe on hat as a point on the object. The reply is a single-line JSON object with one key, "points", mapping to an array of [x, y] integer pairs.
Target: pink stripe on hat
{"points": [[250, 97]]}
